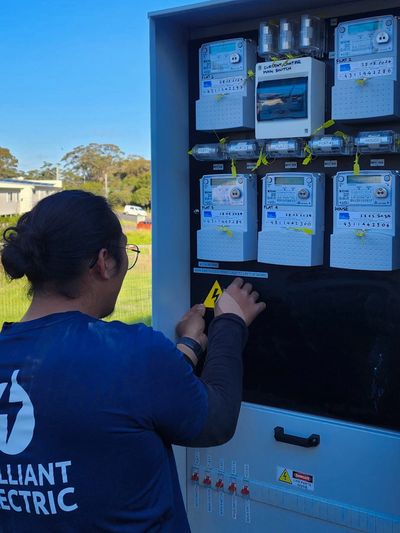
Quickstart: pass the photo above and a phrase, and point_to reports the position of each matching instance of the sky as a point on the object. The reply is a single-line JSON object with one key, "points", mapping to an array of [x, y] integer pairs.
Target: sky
{"points": [[75, 72]]}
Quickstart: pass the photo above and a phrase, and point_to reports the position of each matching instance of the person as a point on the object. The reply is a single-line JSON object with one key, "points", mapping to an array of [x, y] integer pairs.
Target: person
{"points": [[89, 409]]}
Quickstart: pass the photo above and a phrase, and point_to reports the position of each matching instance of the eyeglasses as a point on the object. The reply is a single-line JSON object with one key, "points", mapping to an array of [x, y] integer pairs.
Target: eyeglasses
{"points": [[132, 251]]}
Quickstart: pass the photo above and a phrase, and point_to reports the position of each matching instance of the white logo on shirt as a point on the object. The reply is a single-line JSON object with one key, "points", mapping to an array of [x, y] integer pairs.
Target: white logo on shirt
{"points": [[17, 420]]}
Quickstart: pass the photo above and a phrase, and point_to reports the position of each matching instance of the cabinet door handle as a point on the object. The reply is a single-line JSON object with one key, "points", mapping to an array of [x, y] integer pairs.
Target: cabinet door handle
{"points": [[306, 442]]}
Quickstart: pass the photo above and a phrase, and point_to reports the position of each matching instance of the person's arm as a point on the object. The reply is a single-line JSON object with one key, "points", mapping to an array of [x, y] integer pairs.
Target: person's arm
{"points": [[222, 376], [222, 373]]}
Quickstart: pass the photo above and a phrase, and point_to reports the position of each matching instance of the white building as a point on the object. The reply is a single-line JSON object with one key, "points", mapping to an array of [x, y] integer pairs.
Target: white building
{"points": [[17, 196]]}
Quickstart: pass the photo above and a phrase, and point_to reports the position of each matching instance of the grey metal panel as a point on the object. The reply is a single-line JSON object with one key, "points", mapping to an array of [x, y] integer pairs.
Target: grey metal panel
{"points": [[170, 174], [211, 13], [170, 32], [351, 490]]}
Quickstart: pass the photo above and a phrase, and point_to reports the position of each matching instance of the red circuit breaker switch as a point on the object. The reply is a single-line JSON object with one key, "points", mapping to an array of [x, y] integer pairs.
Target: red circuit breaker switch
{"points": [[207, 480], [195, 476], [232, 488], [219, 484], [245, 491]]}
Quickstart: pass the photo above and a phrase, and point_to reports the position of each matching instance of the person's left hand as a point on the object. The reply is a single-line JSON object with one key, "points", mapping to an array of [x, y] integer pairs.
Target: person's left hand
{"points": [[192, 325]]}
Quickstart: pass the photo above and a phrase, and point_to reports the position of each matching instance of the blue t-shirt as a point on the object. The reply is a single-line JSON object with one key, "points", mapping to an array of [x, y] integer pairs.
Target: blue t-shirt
{"points": [[88, 412]]}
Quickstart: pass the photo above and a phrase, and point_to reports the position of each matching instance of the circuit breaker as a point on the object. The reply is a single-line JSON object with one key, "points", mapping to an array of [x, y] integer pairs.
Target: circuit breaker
{"points": [[228, 218], [290, 98]]}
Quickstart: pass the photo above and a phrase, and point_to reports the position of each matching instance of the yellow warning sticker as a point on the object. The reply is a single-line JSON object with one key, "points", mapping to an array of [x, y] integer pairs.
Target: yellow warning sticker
{"points": [[213, 295], [296, 478], [285, 477]]}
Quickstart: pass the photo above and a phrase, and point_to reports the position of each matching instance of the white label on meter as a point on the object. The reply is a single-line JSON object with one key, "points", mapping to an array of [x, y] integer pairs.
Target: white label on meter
{"points": [[222, 86], [365, 221], [370, 68]]}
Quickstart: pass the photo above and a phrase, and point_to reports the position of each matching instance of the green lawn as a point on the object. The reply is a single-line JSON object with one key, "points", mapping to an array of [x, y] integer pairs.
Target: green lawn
{"points": [[133, 305]]}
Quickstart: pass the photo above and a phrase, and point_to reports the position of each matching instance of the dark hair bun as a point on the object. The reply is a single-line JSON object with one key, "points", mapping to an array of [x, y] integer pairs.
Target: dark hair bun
{"points": [[23, 254]]}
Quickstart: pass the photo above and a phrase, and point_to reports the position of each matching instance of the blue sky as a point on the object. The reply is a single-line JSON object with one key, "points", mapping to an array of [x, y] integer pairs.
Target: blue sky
{"points": [[75, 72]]}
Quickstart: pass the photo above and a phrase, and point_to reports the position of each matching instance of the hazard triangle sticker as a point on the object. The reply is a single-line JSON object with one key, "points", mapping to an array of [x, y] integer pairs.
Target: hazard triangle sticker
{"points": [[213, 295], [285, 477]]}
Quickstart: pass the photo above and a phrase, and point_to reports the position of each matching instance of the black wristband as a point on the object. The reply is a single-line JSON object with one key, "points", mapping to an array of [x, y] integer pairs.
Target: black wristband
{"points": [[192, 344]]}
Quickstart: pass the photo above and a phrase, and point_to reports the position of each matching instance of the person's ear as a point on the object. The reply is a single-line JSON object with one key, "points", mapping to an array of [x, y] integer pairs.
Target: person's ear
{"points": [[105, 264]]}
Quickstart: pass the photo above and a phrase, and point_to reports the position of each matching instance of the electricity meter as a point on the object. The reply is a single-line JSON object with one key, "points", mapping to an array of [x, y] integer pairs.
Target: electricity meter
{"points": [[366, 69], [365, 220], [292, 219], [228, 218], [226, 92]]}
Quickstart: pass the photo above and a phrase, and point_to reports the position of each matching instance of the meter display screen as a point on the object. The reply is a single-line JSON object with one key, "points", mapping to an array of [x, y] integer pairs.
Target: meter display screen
{"points": [[363, 179], [289, 181], [223, 182], [365, 26], [282, 99], [222, 48]]}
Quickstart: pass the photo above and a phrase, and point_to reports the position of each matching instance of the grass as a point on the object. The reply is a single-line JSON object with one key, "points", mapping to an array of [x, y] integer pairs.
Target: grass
{"points": [[133, 304]]}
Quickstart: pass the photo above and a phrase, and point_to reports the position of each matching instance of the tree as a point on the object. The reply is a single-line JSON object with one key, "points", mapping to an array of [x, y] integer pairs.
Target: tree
{"points": [[132, 176], [8, 164], [93, 162], [48, 171], [90, 167]]}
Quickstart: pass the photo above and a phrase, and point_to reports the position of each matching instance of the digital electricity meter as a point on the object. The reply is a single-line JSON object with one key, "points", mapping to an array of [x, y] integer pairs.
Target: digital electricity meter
{"points": [[290, 98], [228, 218], [226, 92], [331, 145], [292, 219], [365, 221], [366, 69]]}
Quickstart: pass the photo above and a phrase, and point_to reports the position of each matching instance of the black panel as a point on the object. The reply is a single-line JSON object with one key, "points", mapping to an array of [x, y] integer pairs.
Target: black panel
{"points": [[329, 342]]}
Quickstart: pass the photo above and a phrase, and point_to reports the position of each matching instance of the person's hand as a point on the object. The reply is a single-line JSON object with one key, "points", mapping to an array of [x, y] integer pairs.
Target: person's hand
{"points": [[240, 299], [192, 325]]}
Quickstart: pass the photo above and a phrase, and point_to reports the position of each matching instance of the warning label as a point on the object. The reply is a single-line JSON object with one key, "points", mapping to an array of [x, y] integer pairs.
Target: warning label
{"points": [[213, 296], [285, 477], [295, 478]]}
